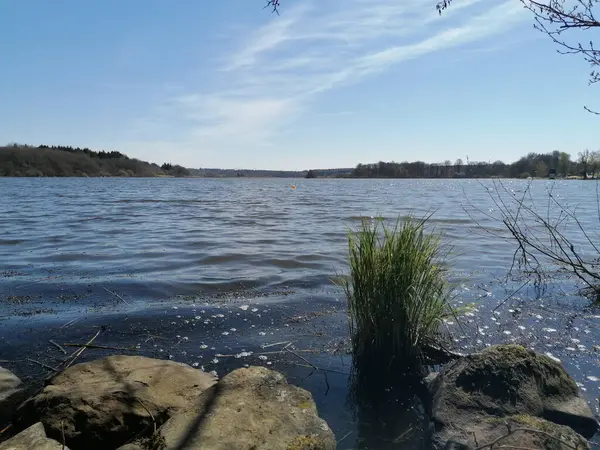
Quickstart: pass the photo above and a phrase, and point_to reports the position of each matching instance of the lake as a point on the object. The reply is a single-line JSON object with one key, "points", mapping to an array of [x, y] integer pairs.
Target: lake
{"points": [[235, 264]]}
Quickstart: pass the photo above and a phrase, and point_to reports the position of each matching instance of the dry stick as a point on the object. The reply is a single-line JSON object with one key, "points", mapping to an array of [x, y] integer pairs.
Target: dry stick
{"points": [[274, 344], [43, 365], [345, 436], [70, 322], [81, 350], [116, 295], [62, 432], [311, 366], [5, 429], [58, 346], [279, 352], [402, 436], [510, 296], [105, 347], [148, 411]]}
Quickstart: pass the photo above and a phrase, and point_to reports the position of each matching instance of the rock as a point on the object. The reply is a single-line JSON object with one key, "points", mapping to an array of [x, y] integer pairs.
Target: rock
{"points": [[504, 381], [432, 381], [132, 447], [105, 403], [33, 438], [527, 432], [12, 394], [251, 408]]}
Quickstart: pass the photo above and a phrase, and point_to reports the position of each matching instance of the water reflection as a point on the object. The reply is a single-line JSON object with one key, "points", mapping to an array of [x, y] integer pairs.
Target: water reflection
{"points": [[390, 415]]}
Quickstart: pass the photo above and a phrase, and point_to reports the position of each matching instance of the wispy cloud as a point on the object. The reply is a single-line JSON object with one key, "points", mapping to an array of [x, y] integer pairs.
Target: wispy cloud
{"points": [[281, 67]]}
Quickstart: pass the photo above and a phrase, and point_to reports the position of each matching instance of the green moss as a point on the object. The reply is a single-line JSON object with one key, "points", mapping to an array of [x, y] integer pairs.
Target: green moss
{"points": [[500, 372], [563, 433], [310, 442], [542, 441]]}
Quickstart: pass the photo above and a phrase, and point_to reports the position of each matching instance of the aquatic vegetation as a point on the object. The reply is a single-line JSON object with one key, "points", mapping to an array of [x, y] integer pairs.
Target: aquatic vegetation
{"points": [[398, 295]]}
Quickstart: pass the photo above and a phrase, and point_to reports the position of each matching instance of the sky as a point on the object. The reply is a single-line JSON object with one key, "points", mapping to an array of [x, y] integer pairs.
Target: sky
{"points": [[325, 84]]}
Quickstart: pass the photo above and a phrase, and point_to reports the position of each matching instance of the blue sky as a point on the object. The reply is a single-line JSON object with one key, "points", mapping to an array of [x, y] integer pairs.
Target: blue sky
{"points": [[328, 83]]}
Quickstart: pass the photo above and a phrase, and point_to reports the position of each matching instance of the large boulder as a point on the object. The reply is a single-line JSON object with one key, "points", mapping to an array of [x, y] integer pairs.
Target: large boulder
{"points": [[33, 438], [106, 403], [251, 408], [475, 395], [12, 393], [518, 432]]}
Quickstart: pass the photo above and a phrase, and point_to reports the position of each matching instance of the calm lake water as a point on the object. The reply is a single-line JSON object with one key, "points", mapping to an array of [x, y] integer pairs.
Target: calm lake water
{"points": [[77, 251]]}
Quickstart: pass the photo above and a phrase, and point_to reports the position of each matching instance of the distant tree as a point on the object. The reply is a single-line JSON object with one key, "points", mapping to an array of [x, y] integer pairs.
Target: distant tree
{"points": [[541, 169], [311, 174], [166, 166], [448, 165], [66, 161], [179, 171], [595, 162], [564, 163], [458, 164], [585, 161]]}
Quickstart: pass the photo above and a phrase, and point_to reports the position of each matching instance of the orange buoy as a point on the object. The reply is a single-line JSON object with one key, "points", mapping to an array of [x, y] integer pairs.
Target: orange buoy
{"points": [[293, 186]]}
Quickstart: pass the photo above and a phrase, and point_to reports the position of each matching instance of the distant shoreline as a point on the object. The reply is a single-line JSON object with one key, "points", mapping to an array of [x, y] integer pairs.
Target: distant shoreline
{"points": [[64, 161], [274, 177]]}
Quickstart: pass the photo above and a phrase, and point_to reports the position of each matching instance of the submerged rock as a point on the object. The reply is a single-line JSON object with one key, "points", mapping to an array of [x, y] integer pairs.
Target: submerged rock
{"points": [[253, 408], [12, 394], [33, 438], [106, 403], [474, 395]]}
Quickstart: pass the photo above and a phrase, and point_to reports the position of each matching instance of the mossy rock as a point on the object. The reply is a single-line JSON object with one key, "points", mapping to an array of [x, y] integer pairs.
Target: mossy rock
{"points": [[509, 381], [500, 372], [549, 436], [308, 442]]}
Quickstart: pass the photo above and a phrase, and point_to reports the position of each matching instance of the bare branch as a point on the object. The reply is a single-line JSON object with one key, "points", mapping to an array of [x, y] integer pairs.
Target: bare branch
{"points": [[555, 17], [274, 5], [548, 237]]}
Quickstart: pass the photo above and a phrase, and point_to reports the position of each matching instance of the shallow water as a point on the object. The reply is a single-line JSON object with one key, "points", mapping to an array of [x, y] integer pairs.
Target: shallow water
{"points": [[78, 253]]}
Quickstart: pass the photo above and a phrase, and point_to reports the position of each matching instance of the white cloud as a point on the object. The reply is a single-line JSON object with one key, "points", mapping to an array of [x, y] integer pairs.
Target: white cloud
{"points": [[311, 49]]}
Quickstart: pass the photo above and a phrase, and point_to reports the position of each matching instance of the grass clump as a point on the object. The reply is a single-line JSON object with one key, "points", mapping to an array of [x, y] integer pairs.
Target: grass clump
{"points": [[398, 295]]}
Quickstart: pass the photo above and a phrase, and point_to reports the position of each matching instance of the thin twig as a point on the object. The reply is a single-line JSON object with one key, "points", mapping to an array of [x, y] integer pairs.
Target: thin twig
{"points": [[104, 347], [43, 365], [274, 344], [402, 436], [116, 295], [278, 352], [310, 366], [82, 349], [70, 322], [510, 296], [148, 411], [344, 437], [302, 358], [58, 346]]}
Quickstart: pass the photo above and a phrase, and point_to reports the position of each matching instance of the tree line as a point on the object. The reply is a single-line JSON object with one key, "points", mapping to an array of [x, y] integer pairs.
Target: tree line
{"points": [[21, 160], [102, 154], [541, 165]]}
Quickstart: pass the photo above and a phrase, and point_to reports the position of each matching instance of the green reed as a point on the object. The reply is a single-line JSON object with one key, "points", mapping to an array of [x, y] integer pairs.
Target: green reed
{"points": [[398, 294]]}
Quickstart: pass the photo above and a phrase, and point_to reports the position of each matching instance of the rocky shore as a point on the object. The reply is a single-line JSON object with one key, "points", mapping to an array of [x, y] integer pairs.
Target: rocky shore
{"points": [[503, 397]]}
